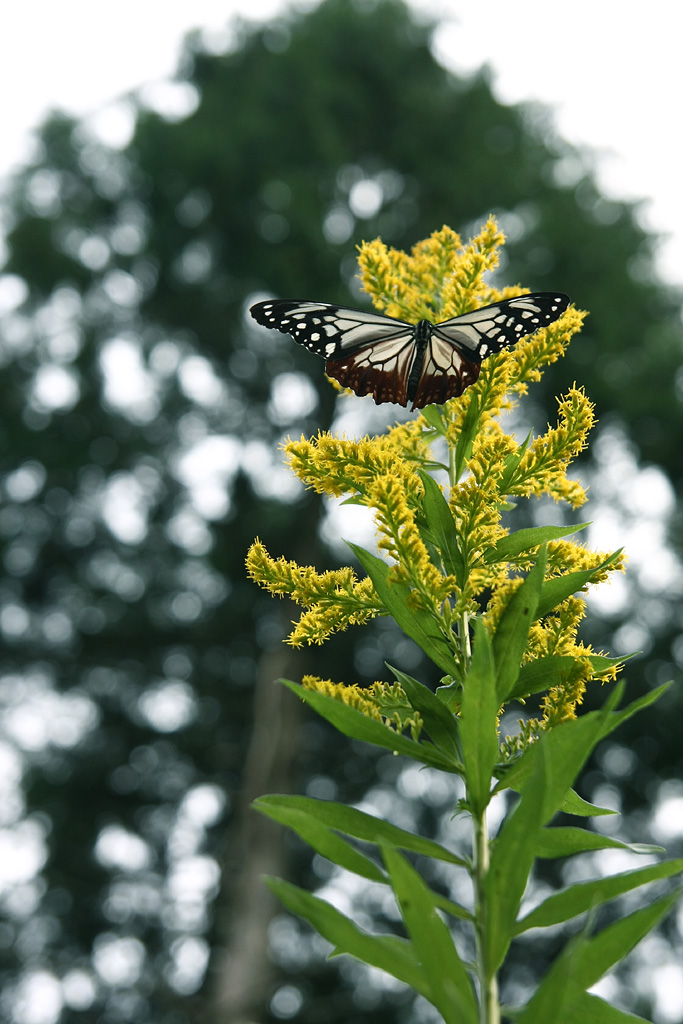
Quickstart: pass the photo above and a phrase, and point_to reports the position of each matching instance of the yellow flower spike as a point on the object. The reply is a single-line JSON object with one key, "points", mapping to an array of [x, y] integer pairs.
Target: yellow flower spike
{"points": [[400, 538], [543, 467], [334, 599], [465, 286], [383, 702], [336, 466], [350, 694]]}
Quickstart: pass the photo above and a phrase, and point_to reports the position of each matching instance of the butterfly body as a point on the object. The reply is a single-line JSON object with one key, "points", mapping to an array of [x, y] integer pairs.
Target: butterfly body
{"points": [[396, 361]]}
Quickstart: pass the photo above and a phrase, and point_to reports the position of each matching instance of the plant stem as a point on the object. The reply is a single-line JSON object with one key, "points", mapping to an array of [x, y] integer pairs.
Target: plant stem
{"points": [[489, 1007]]}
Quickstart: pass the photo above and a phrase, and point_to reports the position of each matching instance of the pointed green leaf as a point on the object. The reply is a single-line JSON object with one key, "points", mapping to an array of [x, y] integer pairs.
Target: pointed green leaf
{"points": [[590, 1009], [572, 803], [512, 856], [434, 417], [550, 1000], [577, 899], [442, 527], [509, 643], [522, 540], [511, 464], [450, 695], [567, 748], [388, 952], [478, 721], [440, 723], [463, 447], [354, 723], [416, 623], [559, 588], [565, 841], [358, 824], [449, 983], [617, 718], [615, 941], [542, 673], [585, 960], [452, 908], [324, 841]]}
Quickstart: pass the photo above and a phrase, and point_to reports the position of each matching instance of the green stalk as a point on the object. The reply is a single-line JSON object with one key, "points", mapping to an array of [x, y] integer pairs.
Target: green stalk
{"points": [[489, 1007]]}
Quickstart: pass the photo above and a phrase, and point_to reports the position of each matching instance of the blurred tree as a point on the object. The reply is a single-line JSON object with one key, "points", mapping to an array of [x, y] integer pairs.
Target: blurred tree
{"points": [[142, 410]]}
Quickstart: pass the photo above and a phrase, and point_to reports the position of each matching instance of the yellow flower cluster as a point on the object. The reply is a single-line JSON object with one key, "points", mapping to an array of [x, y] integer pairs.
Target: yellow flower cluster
{"points": [[335, 599], [400, 538], [385, 702], [440, 279], [543, 466], [337, 466]]}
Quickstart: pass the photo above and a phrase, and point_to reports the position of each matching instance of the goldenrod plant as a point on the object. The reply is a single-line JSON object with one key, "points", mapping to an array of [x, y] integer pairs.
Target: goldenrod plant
{"points": [[498, 612]]}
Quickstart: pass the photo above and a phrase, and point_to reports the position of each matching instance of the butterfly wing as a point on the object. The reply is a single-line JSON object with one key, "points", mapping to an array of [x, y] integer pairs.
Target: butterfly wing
{"points": [[491, 328], [446, 372], [367, 352]]}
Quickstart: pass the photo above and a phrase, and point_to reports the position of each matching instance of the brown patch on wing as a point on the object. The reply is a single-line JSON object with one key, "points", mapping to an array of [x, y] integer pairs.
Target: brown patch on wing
{"points": [[381, 371], [439, 382]]}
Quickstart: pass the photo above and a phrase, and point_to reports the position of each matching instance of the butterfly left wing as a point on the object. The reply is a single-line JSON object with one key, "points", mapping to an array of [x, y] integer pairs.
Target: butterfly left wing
{"points": [[369, 353], [491, 328], [325, 329]]}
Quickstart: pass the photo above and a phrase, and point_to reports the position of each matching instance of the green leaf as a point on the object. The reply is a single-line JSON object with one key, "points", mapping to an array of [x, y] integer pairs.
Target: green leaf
{"points": [[463, 448], [577, 899], [442, 527], [440, 723], [617, 718], [522, 540], [590, 1009], [326, 842], [434, 417], [388, 952], [575, 804], [451, 695], [565, 841], [512, 856], [511, 464], [353, 822], [452, 908], [478, 721], [449, 983], [584, 961], [542, 673], [416, 623], [567, 748], [559, 588], [354, 723], [509, 643], [615, 941]]}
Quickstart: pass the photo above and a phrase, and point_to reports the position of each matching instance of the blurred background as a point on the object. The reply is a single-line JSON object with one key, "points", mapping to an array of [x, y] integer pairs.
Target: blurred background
{"points": [[142, 412]]}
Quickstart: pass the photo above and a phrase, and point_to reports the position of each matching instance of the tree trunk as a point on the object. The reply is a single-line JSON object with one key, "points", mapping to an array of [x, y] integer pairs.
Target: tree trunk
{"points": [[240, 973]]}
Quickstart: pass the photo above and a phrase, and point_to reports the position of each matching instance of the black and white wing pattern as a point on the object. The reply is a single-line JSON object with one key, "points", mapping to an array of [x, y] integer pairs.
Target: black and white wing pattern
{"points": [[395, 361]]}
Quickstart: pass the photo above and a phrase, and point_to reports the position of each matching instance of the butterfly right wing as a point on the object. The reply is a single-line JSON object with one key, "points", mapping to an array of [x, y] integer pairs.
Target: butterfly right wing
{"points": [[446, 372]]}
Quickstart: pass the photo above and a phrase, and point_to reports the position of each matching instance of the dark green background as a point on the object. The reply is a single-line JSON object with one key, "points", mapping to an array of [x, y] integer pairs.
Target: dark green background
{"points": [[165, 244]]}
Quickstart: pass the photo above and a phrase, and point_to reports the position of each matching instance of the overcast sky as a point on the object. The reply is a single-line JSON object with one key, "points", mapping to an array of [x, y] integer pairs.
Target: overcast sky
{"points": [[611, 71]]}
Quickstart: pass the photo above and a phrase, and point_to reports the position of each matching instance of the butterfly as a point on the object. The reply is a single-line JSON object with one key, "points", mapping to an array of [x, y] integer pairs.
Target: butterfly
{"points": [[396, 361]]}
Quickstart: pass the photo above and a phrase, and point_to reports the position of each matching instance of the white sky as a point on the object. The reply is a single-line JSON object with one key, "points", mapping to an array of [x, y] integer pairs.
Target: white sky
{"points": [[611, 69]]}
